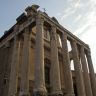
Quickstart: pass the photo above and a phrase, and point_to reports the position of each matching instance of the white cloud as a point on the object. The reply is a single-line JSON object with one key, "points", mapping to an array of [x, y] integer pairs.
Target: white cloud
{"points": [[78, 18], [75, 3], [87, 31], [90, 38], [67, 13], [59, 14], [70, 9], [90, 23], [83, 13]]}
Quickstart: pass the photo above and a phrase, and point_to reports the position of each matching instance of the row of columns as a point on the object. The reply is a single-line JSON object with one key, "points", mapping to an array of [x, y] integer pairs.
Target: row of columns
{"points": [[84, 87], [85, 73], [78, 71], [39, 65], [13, 72], [24, 80]]}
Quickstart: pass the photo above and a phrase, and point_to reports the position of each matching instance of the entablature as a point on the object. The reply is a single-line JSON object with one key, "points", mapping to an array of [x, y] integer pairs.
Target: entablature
{"points": [[47, 20], [62, 29]]}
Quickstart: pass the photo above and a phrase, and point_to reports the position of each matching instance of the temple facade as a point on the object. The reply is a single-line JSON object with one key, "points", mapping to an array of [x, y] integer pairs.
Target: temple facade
{"points": [[36, 55]]}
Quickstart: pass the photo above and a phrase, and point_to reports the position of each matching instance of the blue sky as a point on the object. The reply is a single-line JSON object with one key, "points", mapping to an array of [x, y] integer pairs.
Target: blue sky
{"points": [[78, 16]]}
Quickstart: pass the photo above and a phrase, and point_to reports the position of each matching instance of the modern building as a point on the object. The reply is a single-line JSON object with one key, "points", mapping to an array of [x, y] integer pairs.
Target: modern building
{"points": [[36, 55]]}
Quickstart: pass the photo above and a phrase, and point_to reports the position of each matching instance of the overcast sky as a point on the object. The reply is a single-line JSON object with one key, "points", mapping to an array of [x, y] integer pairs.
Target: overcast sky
{"points": [[78, 16]]}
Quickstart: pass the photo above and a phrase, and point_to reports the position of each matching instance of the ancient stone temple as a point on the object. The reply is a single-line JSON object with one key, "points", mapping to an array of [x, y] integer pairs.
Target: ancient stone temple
{"points": [[35, 59]]}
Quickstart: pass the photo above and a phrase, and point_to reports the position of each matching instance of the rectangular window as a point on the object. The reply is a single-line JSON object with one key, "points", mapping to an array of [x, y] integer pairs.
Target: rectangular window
{"points": [[47, 75]]}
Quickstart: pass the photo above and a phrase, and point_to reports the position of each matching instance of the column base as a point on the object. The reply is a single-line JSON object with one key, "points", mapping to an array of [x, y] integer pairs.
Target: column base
{"points": [[40, 92], [13, 94], [24, 94], [69, 94], [57, 93]]}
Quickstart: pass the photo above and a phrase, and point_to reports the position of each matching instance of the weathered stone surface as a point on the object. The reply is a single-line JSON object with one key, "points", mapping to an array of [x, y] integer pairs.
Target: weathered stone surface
{"points": [[24, 86], [39, 58], [85, 73], [78, 70], [66, 66], [55, 69], [23, 50], [91, 72]]}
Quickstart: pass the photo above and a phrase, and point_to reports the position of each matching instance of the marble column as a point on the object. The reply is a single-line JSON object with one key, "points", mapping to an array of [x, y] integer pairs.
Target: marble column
{"points": [[69, 91], [12, 91], [78, 70], [55, 70], [85, 72], [91, 72], [14, 67], [24, 81], [39, 88]]}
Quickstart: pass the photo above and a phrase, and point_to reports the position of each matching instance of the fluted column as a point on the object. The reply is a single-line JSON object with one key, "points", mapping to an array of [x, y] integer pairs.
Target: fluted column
{"points": [[85, 72], [24, 83], [78, 71], [55, 70], [91, 72], [67, 69], [13, 73], [39, 89], [12, 91]]}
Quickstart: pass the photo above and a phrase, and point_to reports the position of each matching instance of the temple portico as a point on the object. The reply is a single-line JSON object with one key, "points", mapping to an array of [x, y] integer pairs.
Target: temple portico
{"points": [[39, 59]]}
